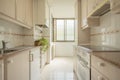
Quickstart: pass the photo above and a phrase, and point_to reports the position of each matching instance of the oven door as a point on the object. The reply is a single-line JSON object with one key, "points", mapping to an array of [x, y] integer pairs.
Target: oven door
{"points": [[83, 72]]}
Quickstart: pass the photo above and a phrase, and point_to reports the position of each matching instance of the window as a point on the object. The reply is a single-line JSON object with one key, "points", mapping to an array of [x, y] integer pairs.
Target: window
{"points": [[64, 29]]}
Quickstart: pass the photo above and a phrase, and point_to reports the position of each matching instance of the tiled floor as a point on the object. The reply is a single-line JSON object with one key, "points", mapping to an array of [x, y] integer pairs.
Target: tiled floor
{"points": [[59, 69]]}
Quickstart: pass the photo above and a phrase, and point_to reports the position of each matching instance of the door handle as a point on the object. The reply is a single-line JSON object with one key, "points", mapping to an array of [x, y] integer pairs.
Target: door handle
{"points": [[31, 57]]}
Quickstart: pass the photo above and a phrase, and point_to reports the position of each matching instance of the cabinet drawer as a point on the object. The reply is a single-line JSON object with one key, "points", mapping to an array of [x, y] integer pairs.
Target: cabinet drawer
{"points": [[95, 75], [108, 69]]}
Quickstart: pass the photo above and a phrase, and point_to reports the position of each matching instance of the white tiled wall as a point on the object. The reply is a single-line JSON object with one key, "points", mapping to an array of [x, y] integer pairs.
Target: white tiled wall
{"points": [[108, 33], [28, 37], [9, 33], [15, 35]]}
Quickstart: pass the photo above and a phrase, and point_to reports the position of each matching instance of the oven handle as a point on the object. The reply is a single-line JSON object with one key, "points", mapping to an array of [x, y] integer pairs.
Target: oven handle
{"points": [[82, 63]]}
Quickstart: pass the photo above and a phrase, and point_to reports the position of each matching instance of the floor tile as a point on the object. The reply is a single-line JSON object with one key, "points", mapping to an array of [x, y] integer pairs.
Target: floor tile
{"points": [[60, 68]]}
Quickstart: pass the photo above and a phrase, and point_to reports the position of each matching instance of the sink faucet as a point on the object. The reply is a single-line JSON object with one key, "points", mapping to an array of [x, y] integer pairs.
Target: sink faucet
{"points": [[4, 44]]}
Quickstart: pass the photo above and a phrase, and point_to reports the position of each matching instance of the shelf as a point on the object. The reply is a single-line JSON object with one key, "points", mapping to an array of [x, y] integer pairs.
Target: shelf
{"points": [[42, 25]]}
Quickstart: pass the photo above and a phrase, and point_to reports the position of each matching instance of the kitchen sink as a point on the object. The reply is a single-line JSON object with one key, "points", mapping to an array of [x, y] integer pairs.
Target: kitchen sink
{"points": [[6, 51]]}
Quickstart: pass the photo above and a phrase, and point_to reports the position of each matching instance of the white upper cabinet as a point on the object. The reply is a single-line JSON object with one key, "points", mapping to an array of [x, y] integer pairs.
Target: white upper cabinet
{"points": [[24, 11], [7, 8], [29, 13], [42, 10], [115, 6], [17, 11], [90, 6], [20, 10], [84, 12], [87, 22]]}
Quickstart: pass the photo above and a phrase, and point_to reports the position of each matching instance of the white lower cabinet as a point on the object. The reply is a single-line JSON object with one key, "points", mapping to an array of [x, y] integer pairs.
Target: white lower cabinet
{"points": [[1, 70], [104, 70], [44, 59], [17, 66], [95, 75], [35, 64]]}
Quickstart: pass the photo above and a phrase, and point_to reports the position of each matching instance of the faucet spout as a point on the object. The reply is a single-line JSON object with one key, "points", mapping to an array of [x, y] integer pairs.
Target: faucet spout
{"points": [[4, 45]]}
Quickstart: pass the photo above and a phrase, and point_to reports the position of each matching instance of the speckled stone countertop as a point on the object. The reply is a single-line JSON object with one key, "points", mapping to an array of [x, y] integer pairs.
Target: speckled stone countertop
{"points": [[100, 48], [16, 50], [108, 54]]}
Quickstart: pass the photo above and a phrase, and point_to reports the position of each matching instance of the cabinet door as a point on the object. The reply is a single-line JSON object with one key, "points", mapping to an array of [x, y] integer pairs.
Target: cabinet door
{"points": [[91, 6], [35, 64], [7, 8], [41, 12], [99, 2], [17, 66], [115, 6], [47, 12], [108, 69], [44, 59], [1, 70], [84, 12], [29, 12], [95, 75], [114, 3], [20, 10]]}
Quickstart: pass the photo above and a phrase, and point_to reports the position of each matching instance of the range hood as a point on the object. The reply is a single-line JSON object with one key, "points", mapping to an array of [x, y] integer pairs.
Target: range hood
{"points": [[41, 25], [101, 9]]}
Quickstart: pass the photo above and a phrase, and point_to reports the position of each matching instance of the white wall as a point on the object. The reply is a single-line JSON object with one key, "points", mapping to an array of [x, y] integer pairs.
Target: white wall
{"points": [[63, 49], [63, 8]]}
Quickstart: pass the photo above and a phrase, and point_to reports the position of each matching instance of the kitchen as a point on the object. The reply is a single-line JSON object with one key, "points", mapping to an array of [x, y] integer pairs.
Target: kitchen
{"points": [[88, 50]]}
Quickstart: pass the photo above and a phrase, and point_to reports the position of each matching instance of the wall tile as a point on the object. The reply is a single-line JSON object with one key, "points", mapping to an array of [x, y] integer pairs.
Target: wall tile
{"points": [[108, 33], [15, 35]]}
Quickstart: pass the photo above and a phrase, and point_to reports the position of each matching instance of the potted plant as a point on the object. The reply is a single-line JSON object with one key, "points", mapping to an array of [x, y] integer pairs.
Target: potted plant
{"points": [[43, 43]]}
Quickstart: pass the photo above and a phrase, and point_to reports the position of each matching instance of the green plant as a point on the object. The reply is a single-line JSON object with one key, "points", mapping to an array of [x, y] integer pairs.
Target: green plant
{"points": [[44, 44]]}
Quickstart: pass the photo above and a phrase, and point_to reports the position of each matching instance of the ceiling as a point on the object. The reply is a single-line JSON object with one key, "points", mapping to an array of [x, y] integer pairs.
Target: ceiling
{"points": [[62, 8]]}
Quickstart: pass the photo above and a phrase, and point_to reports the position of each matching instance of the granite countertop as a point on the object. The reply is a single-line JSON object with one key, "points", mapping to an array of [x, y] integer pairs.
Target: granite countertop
{"points": [[100, 48], [16, 50]]}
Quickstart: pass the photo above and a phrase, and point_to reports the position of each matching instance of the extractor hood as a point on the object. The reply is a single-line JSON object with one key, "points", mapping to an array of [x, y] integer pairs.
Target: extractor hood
{"points": [[101, 9]]}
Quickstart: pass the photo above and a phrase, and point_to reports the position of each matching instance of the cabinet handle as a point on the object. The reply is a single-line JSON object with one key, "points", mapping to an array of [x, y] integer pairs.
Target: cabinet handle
{"points": [[10, 61], [101, 64], [31, 58]]}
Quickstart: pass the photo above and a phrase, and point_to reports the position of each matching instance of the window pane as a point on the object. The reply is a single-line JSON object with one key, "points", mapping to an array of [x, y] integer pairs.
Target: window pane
{"points": [[70, 30], [60, 29]]}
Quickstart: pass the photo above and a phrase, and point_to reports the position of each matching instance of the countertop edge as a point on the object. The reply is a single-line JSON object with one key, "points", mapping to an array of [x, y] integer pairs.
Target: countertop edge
{"points": [[17, 51]]}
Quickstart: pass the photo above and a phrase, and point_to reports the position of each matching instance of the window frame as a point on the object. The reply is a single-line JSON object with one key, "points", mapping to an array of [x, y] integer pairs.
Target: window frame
{"points": [[65, 30]]}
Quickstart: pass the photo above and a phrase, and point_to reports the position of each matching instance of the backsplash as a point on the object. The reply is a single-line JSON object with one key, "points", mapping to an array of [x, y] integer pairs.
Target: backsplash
{"points": [[13, 34], [28, 38], [108, 33]]}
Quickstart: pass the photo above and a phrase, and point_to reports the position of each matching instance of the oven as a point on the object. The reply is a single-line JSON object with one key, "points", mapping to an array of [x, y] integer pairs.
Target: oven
{"points": [[83, 65]]}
